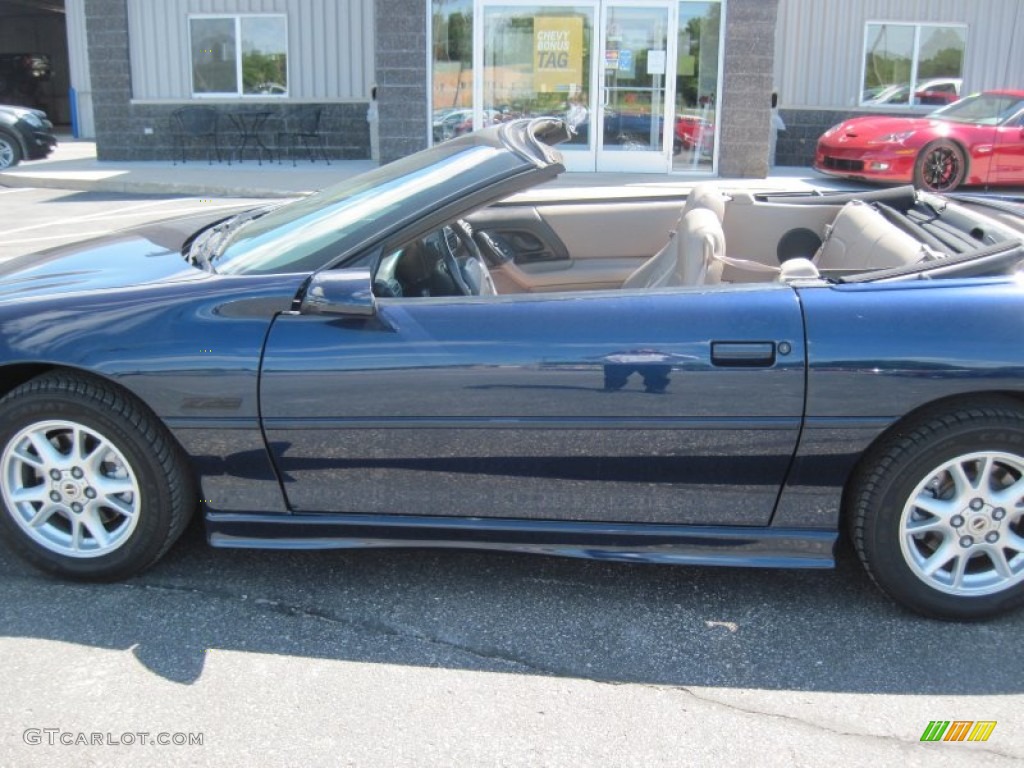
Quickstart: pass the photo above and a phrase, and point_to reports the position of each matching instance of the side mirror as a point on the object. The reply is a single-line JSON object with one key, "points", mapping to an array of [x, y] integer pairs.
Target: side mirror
{"points": [[340, 292]]}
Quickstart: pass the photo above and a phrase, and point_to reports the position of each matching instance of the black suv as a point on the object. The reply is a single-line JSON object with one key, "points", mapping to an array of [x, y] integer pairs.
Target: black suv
{"points": [[21, 75]]}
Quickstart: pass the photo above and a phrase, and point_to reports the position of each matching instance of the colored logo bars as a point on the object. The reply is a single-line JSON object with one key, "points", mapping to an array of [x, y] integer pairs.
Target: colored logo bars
{"points": [[958, 730]]}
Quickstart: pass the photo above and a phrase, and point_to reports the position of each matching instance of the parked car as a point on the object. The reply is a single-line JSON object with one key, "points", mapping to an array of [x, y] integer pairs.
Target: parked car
{"points": [[451, 123], [977, 140], [633, 129], [934, 92], [692, 132], [429, 355], [21, 76], [25, 134]]}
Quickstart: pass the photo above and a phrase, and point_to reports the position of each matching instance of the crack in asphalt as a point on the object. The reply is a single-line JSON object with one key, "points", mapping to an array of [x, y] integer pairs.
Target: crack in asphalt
{"points": [[368, 626]]}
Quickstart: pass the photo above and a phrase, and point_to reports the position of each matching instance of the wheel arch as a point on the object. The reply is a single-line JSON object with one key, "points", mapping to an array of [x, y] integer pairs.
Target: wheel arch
{"points": [[964, 150], [18, 139], [14, 375], [921, 413]]}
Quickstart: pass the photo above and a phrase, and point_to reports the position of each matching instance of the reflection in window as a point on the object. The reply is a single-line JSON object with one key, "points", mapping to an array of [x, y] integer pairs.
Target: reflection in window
{"points": [[451, 94], [697, 49], [913, 64], [537, 62], [239, 55]]}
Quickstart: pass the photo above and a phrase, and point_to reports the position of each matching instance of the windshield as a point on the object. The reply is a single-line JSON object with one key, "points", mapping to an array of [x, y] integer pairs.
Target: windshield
{"points": [[982, 109], [310, 233]]}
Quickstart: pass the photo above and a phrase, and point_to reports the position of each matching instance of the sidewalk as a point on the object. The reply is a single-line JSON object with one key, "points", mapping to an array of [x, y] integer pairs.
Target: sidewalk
{"points": [[74, 166]]}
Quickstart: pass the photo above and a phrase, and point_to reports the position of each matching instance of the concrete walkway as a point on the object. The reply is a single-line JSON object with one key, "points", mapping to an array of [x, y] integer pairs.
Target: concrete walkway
{"points": [[74, 166]]}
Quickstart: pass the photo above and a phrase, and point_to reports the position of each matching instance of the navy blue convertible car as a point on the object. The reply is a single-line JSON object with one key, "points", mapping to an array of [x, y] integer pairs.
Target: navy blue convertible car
{"points": [[434, 355]]}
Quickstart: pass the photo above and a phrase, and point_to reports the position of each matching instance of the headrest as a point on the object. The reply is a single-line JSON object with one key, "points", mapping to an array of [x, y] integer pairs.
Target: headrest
{"points": [[707, 196]]}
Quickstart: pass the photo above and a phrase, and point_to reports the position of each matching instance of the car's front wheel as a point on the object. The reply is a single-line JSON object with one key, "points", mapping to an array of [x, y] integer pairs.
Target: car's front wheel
{"points": [[937, 512], [941, 167], [10, 151], [93, 486]]}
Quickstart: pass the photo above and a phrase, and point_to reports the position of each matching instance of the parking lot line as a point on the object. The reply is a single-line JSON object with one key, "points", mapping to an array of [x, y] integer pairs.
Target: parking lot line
{"points": [[142, 209]]}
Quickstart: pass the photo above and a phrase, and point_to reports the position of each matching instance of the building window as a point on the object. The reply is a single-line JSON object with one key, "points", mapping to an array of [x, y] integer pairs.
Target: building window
{"points": [[912, 64], [452, 71], [239, 55]]}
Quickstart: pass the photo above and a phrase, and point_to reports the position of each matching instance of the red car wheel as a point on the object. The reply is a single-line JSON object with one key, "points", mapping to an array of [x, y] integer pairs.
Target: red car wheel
{"points": [[941, 167]]}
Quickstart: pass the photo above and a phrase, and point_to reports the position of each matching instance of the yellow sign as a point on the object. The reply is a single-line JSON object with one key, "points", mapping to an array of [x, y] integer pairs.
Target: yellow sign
{"points": [[557, 54]]}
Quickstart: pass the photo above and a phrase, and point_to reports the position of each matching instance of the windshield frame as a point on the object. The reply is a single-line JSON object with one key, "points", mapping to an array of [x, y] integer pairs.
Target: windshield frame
{"points": [[338, 222], [948, 113]]}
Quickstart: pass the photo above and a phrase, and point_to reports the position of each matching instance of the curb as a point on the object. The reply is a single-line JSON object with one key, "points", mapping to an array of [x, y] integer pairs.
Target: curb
{"points": [[20, 180]]}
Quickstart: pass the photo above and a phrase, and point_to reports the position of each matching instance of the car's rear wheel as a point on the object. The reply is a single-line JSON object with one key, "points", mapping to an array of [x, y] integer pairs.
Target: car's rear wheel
{"points": [[937, 512], [10, 151], [941, 167], [93, 486]]}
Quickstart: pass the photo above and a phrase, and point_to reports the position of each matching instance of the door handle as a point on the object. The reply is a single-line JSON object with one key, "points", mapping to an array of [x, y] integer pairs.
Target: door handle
{"points": [[743, 354]]}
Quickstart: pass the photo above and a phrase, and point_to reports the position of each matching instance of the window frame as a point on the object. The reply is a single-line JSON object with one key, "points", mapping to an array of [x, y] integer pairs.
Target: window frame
{"points": [[239, 92], [914, 61]]}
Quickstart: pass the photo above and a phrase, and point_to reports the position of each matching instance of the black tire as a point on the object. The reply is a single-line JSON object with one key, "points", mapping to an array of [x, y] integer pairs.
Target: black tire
{"points": [[941, 167], [134, 484], [914, 507], [10, 151]]}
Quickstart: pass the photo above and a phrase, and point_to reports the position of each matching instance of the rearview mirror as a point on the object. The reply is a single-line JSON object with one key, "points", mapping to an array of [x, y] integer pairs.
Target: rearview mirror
{"points": [[340, 292]]}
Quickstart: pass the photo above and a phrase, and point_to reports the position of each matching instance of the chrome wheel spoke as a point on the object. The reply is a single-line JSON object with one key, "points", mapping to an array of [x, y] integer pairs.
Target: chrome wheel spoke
{"points": [[1010, 496], [76, 535], [959, 568], [999, 561], [937, 508], [960, 480], [111, 486], [118, 505], [983, 480], [1013, 542], [939, 558], [30, 494], [49, 454], [91, 521], [43, 515]]}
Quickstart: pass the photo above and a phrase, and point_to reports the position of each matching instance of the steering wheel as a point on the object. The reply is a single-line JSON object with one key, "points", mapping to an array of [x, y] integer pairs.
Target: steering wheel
{"points": [[471, 275]]}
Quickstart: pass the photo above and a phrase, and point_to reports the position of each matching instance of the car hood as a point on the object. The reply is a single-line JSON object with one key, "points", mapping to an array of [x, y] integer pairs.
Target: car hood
{"points": [[866, 127], [133, 257]]}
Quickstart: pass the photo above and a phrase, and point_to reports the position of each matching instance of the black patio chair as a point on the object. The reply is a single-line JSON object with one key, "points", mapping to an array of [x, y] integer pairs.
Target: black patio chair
{"points": [[196, 125], [301, 124]]}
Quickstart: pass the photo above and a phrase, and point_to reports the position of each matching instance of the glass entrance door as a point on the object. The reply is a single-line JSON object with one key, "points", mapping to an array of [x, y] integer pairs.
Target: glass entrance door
{"points": [[636, 62]]}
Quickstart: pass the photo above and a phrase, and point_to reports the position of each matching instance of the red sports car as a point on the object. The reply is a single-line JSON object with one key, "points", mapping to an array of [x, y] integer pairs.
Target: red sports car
{"points": [[977, 140]]}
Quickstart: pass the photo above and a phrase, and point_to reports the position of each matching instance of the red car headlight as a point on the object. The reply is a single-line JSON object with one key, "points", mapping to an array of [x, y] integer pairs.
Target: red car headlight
{"points": [[897, 137]]}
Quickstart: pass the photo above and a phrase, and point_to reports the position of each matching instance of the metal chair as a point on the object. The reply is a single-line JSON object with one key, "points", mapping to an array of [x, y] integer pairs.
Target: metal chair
{"points": [[196, 125], [301, 124]]}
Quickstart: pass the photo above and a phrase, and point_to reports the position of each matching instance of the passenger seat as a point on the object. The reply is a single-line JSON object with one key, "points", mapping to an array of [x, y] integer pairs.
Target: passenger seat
{"points": [[672, 266]]}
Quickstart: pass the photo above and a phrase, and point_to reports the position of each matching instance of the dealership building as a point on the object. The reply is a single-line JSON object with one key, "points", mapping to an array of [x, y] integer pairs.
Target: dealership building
{"points": [[660, 86]]}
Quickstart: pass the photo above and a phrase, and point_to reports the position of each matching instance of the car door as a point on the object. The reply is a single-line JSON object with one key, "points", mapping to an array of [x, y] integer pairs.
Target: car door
{"points": [[677, 406], [1008, 163]]}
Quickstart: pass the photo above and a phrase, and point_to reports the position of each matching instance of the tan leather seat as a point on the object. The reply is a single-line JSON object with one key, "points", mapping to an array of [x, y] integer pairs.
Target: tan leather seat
{"points": [[860, 238], [708, 196], [701, 248], [692, 256], [660, 269], [683, 263]]}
